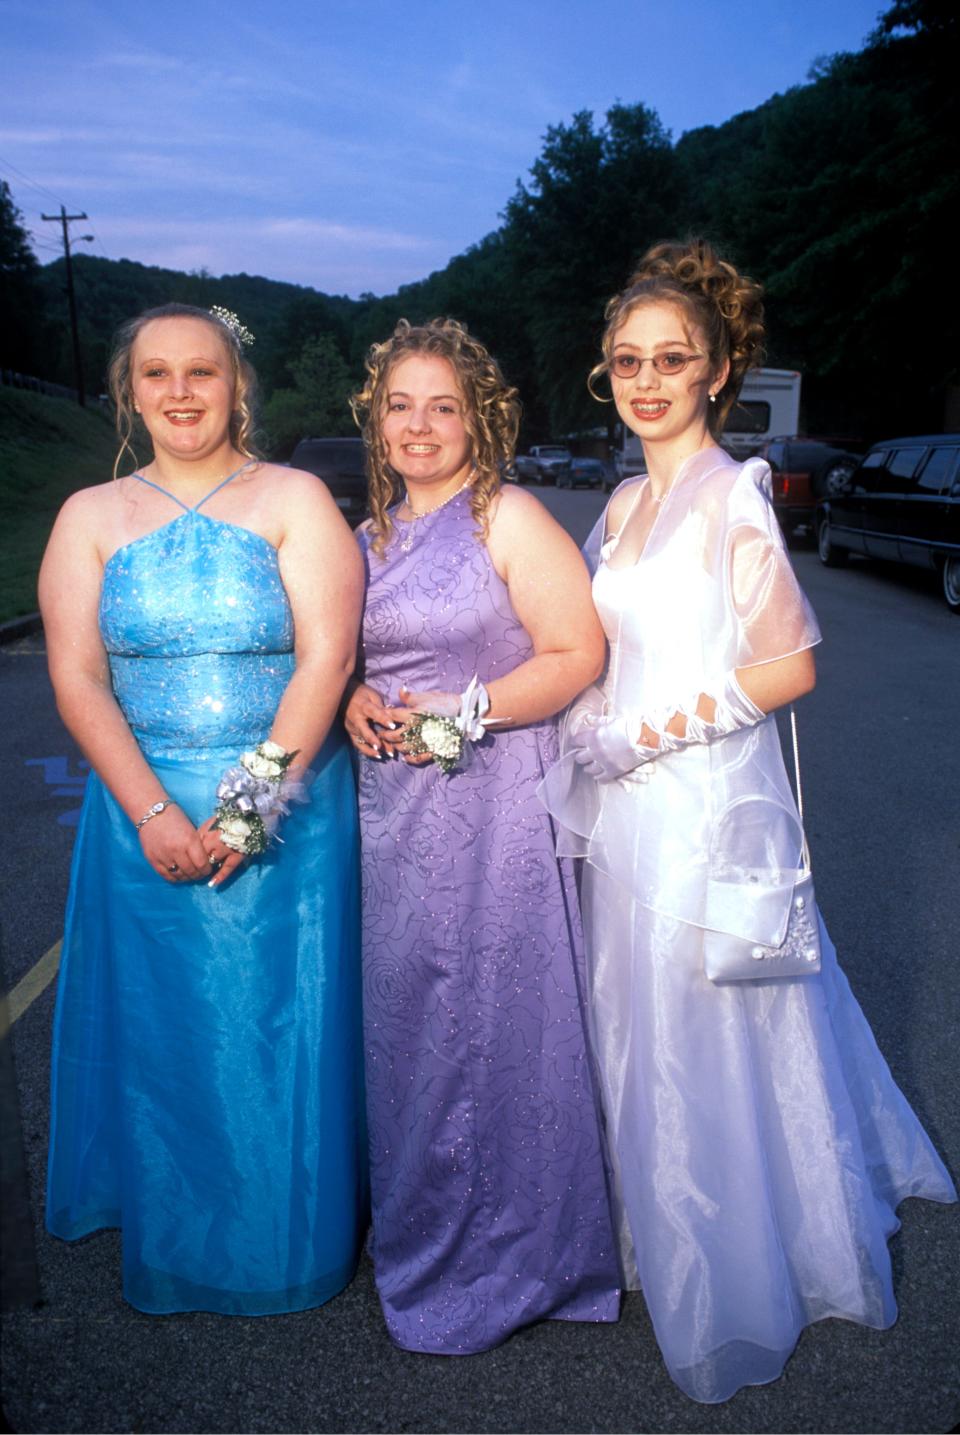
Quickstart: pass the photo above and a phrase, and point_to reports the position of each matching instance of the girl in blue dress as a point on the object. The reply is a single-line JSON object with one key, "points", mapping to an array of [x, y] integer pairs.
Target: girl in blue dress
{"points": [[201, 619]]}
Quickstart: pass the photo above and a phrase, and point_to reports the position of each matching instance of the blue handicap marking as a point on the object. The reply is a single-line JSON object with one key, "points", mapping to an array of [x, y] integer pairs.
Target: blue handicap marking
{"points": [[61, 782]]}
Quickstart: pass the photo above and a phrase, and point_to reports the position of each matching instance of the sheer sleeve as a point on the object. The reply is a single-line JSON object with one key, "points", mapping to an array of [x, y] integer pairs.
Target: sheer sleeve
{"points": [[772, 615]]}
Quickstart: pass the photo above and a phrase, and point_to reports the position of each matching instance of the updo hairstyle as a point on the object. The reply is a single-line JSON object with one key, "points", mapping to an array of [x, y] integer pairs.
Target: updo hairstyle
{"points": [[120, 378], [491, 416], [725, 306]]}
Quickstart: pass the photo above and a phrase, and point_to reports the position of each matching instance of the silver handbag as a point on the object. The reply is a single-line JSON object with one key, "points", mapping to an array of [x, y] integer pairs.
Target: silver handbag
{"points": [[796, 952]]}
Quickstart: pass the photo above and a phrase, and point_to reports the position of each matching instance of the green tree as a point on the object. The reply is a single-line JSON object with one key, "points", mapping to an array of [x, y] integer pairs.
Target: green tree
{"points": [[839, 195], [597, 199], [21, 311], [317, 405]]}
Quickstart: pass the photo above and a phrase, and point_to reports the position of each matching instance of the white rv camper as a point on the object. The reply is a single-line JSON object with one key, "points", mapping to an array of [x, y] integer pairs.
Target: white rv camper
{"points": [[768, 407]]}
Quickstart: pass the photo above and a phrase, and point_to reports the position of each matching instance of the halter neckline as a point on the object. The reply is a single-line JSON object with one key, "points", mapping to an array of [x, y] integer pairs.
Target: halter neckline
{"points": [[195, 508]]}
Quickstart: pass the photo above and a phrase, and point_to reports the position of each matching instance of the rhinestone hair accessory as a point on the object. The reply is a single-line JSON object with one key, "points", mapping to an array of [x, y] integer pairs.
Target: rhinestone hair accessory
{"points": [[232, 321]]}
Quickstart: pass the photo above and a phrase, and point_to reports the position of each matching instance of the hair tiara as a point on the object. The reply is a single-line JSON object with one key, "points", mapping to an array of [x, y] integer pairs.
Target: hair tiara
{"points": [[232, 322]]}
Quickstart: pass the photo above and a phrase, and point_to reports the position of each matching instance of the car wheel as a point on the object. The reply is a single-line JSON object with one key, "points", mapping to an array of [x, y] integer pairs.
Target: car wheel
{"points": [[830, 556], [836, 480], [951, 583]]}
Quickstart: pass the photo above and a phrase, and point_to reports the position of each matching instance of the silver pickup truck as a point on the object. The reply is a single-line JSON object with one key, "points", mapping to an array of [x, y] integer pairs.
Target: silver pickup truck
{"points": [[544, 463]]}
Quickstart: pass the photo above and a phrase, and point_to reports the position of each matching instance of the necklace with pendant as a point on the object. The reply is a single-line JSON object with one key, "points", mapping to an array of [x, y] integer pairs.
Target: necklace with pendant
{"points": [[406, 542]]}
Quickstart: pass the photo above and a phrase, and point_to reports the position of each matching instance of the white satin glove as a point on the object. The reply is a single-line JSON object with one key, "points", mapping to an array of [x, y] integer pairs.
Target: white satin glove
{"points": [[611, 747], [733, 711], [585, 711], [605, 748]]}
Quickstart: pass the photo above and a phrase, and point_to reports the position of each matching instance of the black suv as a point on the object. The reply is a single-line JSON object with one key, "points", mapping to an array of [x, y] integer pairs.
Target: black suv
{"points": [[903, 504], [340, 463], [805, 470]]}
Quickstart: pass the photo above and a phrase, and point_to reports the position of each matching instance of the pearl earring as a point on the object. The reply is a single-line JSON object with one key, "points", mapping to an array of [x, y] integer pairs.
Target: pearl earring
{"points": [[713, 398]]}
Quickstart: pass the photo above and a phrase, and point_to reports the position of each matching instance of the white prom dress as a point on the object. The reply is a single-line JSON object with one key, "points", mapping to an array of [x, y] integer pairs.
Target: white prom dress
{"points": [[758, 1142]]}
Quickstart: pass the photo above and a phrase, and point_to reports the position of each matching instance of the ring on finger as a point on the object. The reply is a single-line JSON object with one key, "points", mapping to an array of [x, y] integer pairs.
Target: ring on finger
{"points": [[173, 867]]}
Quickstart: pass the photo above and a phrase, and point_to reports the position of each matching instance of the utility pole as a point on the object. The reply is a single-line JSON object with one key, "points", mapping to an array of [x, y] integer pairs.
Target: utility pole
{"points": [[64, 219]]}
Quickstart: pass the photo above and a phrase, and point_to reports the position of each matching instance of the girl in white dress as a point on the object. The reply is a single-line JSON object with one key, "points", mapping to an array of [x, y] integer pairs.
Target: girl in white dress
{"points": [[758, 1141]]}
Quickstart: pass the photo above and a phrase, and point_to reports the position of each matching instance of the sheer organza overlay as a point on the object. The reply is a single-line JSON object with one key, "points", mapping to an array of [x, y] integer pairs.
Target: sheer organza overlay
{"points": [[715, 574], [758, 1141]]}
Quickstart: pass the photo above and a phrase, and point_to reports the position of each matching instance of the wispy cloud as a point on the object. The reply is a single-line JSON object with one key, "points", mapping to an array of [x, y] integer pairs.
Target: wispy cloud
{"points": [[355, 145]]}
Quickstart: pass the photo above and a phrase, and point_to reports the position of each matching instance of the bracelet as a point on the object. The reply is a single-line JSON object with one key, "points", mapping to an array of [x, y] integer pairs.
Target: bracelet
{"points": [[254, 795], [154, 811]]}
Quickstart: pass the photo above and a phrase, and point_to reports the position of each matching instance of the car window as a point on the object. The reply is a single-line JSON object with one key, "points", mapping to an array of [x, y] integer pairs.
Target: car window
{"points": [[903, 465], [936, 472], [872, 473], [894, 476]]}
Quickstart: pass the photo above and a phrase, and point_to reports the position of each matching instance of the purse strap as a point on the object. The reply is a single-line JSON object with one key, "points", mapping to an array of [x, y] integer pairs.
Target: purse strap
{"points": [[804, 850]]}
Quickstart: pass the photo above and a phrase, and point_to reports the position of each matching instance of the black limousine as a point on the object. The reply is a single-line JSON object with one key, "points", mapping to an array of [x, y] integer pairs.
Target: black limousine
{"points": [[903, 504]]}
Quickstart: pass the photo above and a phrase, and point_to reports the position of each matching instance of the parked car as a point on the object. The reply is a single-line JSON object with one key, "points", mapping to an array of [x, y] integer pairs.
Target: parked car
{"points": [[543, 463], [588, 471], [804, 471], [340, 463], [526, 466], [903, 504]]}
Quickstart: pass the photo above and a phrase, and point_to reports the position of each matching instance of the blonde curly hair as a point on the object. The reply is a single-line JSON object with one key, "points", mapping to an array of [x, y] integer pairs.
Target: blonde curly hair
{"points": [[120, 378], [491, 416], [725, 306]]}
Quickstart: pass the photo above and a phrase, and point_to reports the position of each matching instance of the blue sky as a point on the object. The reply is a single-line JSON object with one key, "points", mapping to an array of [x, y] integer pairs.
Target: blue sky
{"points": [[353, 146]]}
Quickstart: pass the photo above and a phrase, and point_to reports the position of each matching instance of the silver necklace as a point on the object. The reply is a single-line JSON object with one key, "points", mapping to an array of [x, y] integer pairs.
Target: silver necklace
{"points": [[406, 542]]}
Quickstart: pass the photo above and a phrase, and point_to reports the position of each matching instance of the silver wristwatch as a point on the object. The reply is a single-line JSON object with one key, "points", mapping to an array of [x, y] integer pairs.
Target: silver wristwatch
{"points": [[154, 811]]}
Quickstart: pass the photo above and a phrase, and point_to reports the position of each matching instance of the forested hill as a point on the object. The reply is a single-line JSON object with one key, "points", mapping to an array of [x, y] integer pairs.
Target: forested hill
{"points": [[839, 195], [111, 291]]}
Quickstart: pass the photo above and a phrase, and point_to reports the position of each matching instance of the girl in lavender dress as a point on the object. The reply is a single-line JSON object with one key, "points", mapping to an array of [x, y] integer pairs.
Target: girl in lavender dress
{"points": [[490, 1207]]}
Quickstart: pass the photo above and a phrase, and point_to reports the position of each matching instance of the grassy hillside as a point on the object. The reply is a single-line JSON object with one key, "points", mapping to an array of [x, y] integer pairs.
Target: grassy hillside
{"points": [[48, 448]]}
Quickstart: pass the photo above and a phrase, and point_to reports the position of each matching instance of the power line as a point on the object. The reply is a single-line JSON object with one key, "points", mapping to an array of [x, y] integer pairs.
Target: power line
{"points": [[41, 189]]}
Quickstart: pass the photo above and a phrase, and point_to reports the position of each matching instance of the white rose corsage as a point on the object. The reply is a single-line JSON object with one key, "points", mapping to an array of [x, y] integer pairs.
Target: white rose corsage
{"points": [[254, 795], [444, 735]]}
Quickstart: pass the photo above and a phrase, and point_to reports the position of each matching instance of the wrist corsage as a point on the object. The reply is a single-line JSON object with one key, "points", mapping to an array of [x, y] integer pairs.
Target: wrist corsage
{"points": [[444, 735], [254, 795]]}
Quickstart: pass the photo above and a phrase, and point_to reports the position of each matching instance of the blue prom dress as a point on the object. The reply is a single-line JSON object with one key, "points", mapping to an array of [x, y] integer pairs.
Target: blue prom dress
{"points": [[207, 1089]]}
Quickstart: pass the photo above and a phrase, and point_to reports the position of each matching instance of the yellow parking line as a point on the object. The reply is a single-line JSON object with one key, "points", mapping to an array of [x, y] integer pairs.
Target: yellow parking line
{"points": [[36, 981]]}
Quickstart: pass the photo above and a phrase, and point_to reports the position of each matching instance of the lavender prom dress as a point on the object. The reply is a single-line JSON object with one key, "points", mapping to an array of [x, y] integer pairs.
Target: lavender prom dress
{"points": [[490, 1206]]}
